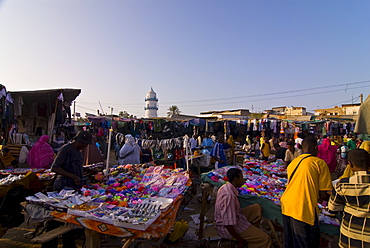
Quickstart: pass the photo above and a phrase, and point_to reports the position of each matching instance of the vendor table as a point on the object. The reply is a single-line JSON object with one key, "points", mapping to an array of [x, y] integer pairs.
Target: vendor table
{"points": [[130, 186], [29, 181], [158, 229], [200, 161]]}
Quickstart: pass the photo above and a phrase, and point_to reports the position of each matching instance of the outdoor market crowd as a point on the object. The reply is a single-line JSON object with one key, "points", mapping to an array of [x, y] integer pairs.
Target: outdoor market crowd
{"points": [[311, 162]]}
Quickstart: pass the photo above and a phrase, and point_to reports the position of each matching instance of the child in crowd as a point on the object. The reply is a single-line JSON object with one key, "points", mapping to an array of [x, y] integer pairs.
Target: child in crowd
{"points": [[265, 149], [342, 161]]}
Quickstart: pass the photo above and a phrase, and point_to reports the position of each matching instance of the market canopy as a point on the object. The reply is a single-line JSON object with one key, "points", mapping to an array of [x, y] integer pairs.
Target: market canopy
{"points": [[47, 96], [363, 119]]}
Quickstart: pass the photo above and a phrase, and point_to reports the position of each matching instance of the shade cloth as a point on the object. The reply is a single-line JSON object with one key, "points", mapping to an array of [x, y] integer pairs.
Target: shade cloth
{"points": [[363, 118]]}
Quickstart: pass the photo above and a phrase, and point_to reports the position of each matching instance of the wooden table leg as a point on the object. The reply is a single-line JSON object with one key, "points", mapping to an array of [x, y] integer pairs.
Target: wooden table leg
{"points": [[206, 191], [92, 239], [126, 242], [274, 232]]}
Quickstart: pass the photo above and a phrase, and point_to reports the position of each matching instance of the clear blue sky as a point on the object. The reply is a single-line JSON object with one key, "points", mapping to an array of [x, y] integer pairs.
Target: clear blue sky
{"points": [[200, 55]]}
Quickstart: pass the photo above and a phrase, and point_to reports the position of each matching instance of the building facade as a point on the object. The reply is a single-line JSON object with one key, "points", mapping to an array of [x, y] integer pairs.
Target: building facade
{"points": [[346, 109], [287, 111]]}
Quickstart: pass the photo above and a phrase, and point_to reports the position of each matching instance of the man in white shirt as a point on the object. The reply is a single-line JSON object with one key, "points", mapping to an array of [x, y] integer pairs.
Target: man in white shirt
{"points": [[193, 142]]}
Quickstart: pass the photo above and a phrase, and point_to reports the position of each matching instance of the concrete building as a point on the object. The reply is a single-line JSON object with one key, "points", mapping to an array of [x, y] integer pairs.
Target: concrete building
{"points": [[226, 114], [351, 109], [295, 111], [287, 111], [346, 109], [151, 106]]}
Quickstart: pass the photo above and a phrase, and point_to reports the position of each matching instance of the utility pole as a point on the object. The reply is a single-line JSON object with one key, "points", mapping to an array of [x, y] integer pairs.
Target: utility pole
{"points": [[361, 98], [101, 107]]}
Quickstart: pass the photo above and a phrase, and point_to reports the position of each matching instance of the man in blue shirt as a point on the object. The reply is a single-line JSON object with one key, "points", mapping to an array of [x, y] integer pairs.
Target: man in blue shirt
{"points": [[218, 152], [207, 143]]}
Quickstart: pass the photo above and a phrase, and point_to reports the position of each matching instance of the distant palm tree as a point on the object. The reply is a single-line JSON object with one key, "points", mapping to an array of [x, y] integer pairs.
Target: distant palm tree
{"points": [[172, 111]]}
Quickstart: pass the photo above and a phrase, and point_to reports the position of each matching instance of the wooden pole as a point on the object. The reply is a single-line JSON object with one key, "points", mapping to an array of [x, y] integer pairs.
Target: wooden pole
{"points": [[106, 171], [74, 110]]}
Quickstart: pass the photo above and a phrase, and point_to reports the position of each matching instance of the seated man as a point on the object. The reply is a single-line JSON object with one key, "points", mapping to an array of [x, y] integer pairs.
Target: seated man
{"points": [[235, 223], [352, 195], [7, 159]]}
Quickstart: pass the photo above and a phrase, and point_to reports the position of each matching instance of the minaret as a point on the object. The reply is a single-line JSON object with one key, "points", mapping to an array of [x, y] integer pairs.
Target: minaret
{"points": [[151, 106]]}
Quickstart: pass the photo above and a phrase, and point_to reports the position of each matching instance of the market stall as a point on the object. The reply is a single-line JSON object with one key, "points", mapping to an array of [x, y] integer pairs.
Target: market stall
{"points": [[45, 176], [134, 202], [13, 190], [265, 184], [200, 161]]}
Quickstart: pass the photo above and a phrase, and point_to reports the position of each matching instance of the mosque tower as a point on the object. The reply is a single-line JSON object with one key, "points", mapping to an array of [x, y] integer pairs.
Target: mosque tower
{"points": [[151, 106]]}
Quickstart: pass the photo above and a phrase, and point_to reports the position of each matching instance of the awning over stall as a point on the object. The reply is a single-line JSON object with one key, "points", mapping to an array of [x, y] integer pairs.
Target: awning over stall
{"points": [[363, 119]]}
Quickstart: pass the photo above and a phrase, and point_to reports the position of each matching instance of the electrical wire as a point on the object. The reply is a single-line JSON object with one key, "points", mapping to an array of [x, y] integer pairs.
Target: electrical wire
{"points": [[254, 95], [271, 98], [251, 96]]}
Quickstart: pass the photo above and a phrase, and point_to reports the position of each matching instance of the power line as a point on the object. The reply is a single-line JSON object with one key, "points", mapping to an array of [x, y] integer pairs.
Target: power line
{"points": [[271, 98], [254, 95], [262, 99], [334, 104], [85, 108], [281, 92]]}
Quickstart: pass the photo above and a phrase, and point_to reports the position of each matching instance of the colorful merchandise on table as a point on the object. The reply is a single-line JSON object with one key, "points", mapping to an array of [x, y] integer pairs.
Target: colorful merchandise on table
{"points": [[46, 175], [10, 179], [134, 193], [262, 179], [94, 166], [42, 174], [18, 171]]}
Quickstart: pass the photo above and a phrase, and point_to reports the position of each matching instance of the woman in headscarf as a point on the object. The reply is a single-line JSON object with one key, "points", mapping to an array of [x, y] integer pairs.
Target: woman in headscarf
{"points": [[130, 152], [41, 154], [328, 153]]}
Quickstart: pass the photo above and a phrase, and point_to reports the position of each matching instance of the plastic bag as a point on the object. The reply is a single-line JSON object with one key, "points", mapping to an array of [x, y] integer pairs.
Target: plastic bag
{"points": [[179, 230]]}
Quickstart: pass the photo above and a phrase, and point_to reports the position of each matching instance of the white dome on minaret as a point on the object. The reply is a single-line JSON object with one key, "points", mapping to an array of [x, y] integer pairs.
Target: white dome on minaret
{"points": [[151, 106]]}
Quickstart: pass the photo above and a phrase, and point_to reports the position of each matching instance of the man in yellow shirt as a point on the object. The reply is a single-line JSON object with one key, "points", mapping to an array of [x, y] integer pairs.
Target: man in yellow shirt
{"points": [[308, 180]]}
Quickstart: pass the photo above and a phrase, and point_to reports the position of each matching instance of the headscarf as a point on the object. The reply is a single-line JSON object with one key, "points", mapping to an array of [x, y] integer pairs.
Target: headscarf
{"points": [[130, 146], [328, 153], [325, 145], [41, 154], [130, 140]]}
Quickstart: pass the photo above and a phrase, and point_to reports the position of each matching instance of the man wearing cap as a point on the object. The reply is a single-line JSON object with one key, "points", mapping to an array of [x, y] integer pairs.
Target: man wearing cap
{"points": [[68, 162], [68, 165]]}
